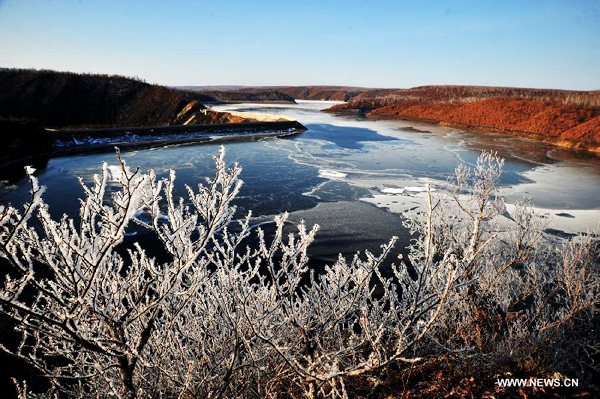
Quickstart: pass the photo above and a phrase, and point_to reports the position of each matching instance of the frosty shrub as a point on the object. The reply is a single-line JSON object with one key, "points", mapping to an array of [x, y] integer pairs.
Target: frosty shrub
{"points": [[220, 319]]}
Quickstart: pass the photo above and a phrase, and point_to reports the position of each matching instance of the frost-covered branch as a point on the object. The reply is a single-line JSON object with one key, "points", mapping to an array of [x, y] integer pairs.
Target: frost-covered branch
{"points": [[219, 318]]}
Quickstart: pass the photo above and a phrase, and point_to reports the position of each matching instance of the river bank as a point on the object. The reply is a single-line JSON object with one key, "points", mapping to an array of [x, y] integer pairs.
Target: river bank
{"points": [[559, 142], [54, 142], [568, 121]]}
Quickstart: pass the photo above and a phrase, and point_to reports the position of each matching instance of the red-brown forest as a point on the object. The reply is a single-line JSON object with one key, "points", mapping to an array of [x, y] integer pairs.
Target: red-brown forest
{"points": [[566, 118]]}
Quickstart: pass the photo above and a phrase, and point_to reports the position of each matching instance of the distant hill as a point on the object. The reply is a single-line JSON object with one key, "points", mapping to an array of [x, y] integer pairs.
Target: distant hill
{"points": [[239, 94], [211, 88], [370, 98], [283, 93], [323, 93], [63, 99], [375, 98]]}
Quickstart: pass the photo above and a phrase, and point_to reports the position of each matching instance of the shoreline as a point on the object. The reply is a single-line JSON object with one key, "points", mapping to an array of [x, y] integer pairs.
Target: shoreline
{"points": [[69, 134], [533, 136], [211, 103], [126, 138]]}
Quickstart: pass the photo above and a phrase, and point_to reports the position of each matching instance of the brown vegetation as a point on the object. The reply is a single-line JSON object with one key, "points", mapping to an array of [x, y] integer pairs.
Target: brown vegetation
{"points": [[61, 99], [31, 101], [326, 93], [322, 93], [241, 95], [589, 130], [566, 118], [371, 98], [376, 98]]}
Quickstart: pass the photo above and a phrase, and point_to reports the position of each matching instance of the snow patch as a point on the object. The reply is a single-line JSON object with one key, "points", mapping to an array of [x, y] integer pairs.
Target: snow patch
{"points": [[418, 189], [331, 174], [579, 220]]}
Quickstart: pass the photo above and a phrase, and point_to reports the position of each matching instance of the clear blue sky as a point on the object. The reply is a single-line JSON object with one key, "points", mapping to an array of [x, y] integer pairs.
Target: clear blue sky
{"points": [[554, 44]]}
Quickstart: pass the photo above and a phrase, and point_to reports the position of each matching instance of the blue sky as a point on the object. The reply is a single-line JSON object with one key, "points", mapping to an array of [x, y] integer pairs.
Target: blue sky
{"points": [[553, 44]]}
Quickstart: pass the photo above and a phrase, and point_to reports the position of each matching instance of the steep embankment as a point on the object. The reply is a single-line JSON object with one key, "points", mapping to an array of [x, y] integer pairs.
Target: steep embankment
{"points": [[60, 99], [565, 118]]}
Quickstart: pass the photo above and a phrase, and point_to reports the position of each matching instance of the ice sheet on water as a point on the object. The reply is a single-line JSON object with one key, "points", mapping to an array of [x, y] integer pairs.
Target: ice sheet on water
{"points": [[392, 190], [331, 174], [418, 189], [115, 172]]}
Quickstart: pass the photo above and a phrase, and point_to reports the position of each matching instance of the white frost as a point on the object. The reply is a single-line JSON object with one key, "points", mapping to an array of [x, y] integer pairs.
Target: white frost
{"points": [[115, 172]]}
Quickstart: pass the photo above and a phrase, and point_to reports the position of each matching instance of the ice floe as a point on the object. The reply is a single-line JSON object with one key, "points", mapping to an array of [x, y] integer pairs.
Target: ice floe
{"points": [[418, 189], [331, 174]]}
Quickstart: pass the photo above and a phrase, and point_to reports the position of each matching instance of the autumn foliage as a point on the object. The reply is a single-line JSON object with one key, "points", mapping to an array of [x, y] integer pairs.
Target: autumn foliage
{"points": [[566, 118]]}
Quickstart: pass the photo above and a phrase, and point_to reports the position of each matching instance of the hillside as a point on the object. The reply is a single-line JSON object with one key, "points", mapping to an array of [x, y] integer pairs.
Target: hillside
{"points": [[58, 99], [239, 94], [561, 117], [319, 93], [61, 99], [278, 93], [375, 98]]}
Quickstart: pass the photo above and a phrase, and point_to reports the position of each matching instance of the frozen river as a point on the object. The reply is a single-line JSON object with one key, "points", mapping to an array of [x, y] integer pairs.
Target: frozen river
{"points": [[354, 177]]}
